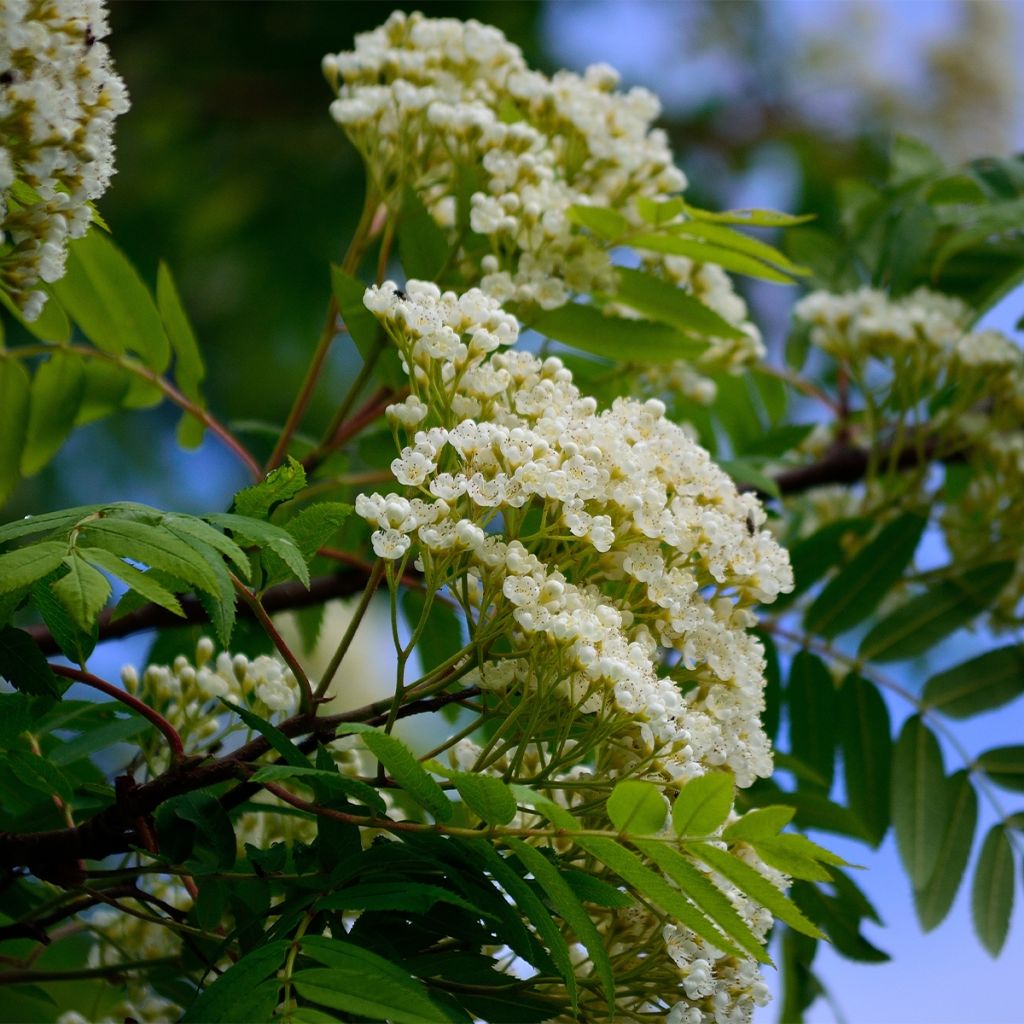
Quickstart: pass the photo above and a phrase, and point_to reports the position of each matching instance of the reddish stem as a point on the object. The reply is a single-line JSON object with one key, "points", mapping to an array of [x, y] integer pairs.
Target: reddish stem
{"points": [[171, 734]]}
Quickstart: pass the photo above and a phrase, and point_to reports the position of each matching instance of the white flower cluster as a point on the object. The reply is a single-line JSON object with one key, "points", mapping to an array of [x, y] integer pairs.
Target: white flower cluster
{"points": [[451, 110], [183, 692], [58, 100], [645, 544], [924, 347]]}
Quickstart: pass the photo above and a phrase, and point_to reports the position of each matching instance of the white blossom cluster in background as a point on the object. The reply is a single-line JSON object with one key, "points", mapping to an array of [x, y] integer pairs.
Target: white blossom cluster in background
{"points": [[59, 97], [186, 692], [910, 352], [595, 543]]}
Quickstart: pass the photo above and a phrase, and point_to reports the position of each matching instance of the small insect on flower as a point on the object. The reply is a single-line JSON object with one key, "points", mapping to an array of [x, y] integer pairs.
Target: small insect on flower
{"points": [[751, 529]]}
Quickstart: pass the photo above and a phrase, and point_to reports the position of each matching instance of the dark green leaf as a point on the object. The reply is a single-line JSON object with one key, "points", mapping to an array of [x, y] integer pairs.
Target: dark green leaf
{"points": [[840, 921], [422, 244], [15, 388], [212, 837], [572, 911], [22, 664], [489, 798], [592, 890], [38, 773], [1005, 767], [188, 362], [981, 684], [866, 739], [934, 899], [403, 894], [101, 737], [992, 895], [931, 617], [703, 804], [277, 739], [57, 389], [919, 800], [813, 556], [217, 1002], [633, 341], [812, 703], [262, 534], [858, 588], [330, 781], [15, 712]]}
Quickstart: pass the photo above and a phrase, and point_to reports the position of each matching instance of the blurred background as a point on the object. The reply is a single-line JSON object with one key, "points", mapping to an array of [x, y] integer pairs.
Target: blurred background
{"points": [[230, 168]]}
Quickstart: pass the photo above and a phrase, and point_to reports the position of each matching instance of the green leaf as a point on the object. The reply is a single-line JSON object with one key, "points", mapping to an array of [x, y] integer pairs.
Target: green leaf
{"points": [[402, 894], [315, 525], [840, 921], [57, 390], [1004, 766], [601, 221], [45, 523], [367, 992], [934, 900], [919, 800], [52, 325], [354, 789], [726, 237], [422, 243], [858, 588], [703, 804], [277, 739], [760, 823], [22, 664], [83, 591], [142, 583], [262, 534], [190, 529], [489, 798], [107, 388], [281, 484], [659, 211], [403, 767], [779, 440], [572, 911], [864, 732], [637, 807], [744, 471], [910, 158], [992, 895], [153, 545], [25, 565], [752, 217], [15, 388], [981, 684], [102, 737], [704, 252], [592, 890], [796, 855], [665, 303], [706, 896], [931, 617], [15, 713], [755, 886], [217, 1001], [634, 341], [360, 323], [108, 300], [813, 556], [189, 370], [812, 703], [38, 773], [212, 836]]}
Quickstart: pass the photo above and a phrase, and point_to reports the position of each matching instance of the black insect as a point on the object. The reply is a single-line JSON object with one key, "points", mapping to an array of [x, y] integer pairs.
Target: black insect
{"points": [[750, 524], [6, 77], [399, 294], [89, 37]]}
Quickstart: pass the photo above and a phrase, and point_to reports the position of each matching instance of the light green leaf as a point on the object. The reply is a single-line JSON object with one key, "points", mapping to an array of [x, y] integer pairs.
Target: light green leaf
{"points": [[925, 620], [107, 298], [277, 739], [705, 895], [46, 522], [633, 341], [726, 237], [403, 767], [279, 485], [703, 804], [107, 388], [992, 895], [191, 528], [864, 732], [705, 252], [659, 211], [353, 788], [262, 534], [57, 389], [981, 684], [754, 218], [52, 325], [755, 886], [154, 546], [25, 565], [15, 388], [933, 900], [637, 807], [422, 243], [489, 798], [83, 591], [189, 370], [23, 665], [858, 588], [141, 582], [315, 525], [795, 855], [760, 823], [572, 911], [812, 703], [602, 221], [1004, 766], [919, 800]]}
